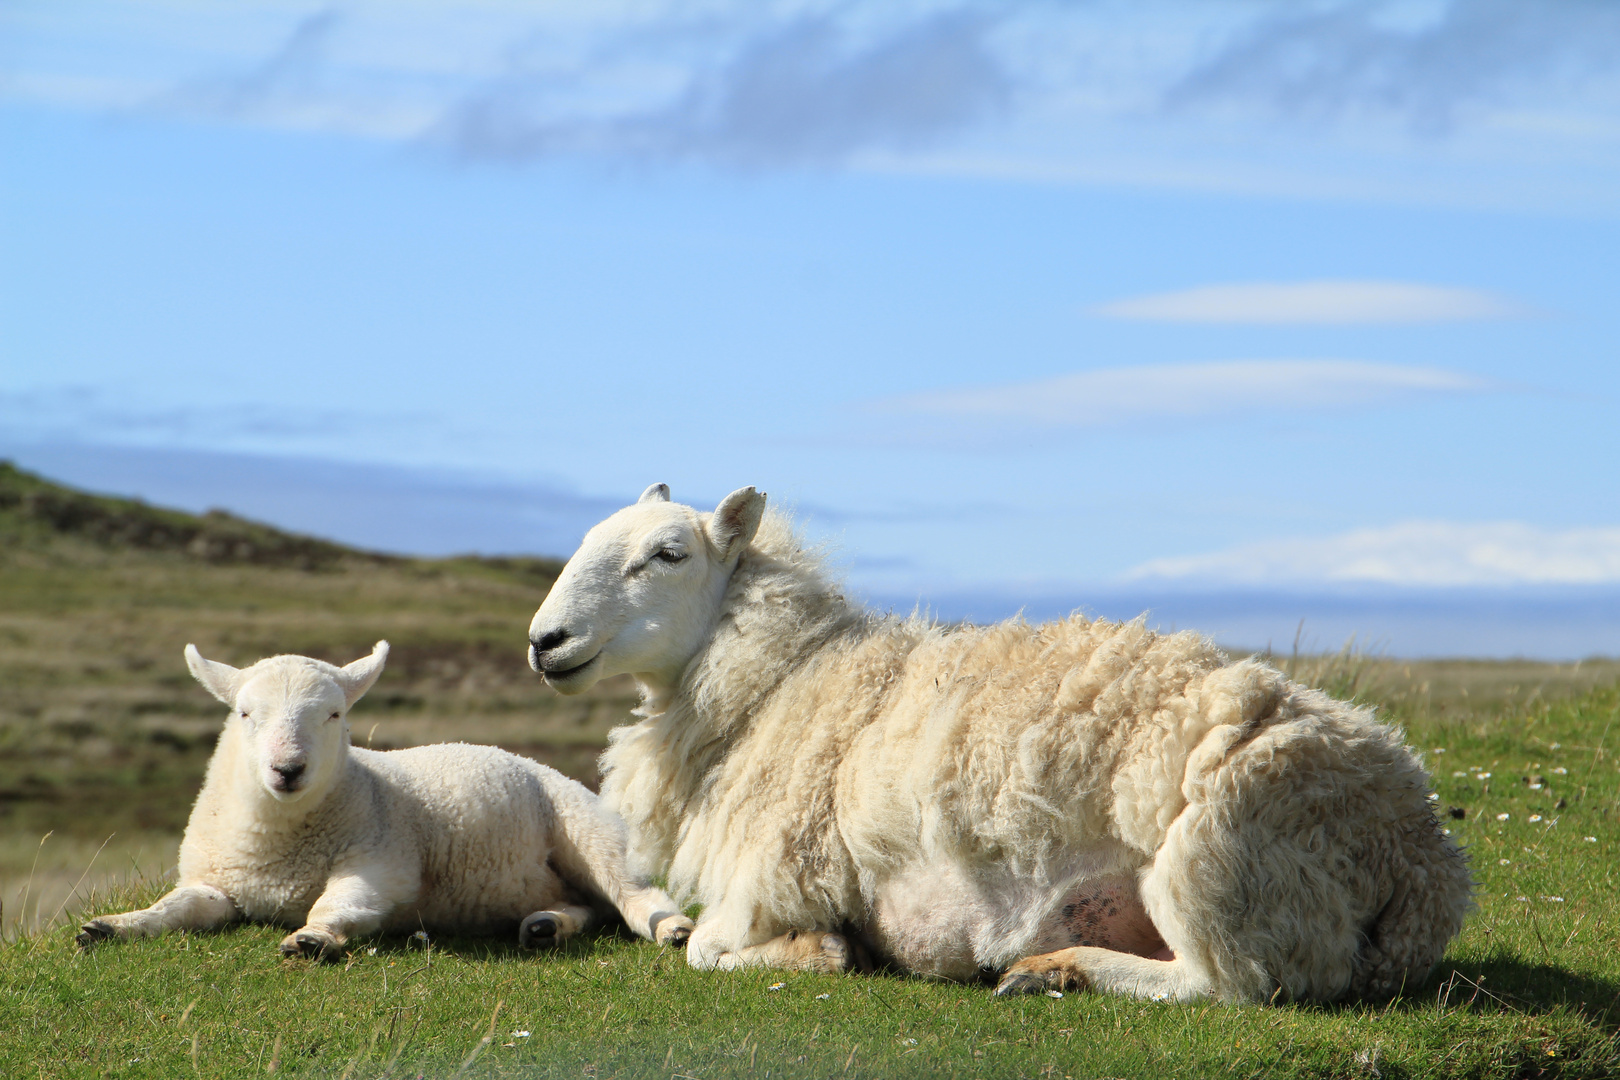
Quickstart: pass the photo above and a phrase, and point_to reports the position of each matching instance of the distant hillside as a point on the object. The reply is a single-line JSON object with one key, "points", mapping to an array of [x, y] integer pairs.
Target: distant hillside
{"points": [[103, 730], [34, 511]]}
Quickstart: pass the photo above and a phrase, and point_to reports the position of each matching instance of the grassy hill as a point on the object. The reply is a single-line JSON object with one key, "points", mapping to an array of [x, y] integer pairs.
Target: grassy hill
{"points": [[103, 732]]}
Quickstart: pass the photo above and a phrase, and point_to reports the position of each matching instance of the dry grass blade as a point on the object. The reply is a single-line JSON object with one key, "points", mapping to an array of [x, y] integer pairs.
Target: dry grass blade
{"points": [[489, 1037]]}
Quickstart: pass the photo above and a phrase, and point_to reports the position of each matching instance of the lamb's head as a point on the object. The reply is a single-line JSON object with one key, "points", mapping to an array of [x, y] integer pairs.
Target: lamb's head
{"points": [[643, 592], [290, 714]]}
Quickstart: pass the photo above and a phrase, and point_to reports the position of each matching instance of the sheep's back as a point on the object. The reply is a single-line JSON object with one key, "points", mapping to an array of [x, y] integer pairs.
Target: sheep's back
{"points": [[1028, 747]]}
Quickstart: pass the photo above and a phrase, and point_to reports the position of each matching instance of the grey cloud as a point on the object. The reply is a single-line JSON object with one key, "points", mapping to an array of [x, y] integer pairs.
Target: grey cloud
{"points": [[791, 95], [292, 70], [1328, 62]]}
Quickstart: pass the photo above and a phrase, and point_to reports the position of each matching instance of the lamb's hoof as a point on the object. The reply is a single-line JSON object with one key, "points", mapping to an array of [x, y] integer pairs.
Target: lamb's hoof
{"points": [[540, 931], [674, 931], [93, 932], [310, 945]]}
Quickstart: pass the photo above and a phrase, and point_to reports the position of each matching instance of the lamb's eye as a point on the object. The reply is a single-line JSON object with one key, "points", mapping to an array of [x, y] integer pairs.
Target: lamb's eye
{"points": [[334, 716], [670, 555]]}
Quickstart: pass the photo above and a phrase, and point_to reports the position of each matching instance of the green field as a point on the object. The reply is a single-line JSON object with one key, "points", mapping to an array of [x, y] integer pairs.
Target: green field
{"points": [[104, 734]]}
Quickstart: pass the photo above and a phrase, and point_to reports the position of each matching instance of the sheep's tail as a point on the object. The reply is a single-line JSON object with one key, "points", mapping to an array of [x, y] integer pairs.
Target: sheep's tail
{"points": [[1431, 893], [589, 851]]}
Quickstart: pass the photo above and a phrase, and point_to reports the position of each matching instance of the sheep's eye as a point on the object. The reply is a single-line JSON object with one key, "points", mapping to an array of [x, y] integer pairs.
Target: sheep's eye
{"points": [[334, 716], [670, 555]]}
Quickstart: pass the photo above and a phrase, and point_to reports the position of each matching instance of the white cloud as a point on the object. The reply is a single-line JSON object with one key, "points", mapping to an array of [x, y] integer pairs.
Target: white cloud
{"points": [[1164, 391], [1471, 102], [1412, 554], [1315, 302]]}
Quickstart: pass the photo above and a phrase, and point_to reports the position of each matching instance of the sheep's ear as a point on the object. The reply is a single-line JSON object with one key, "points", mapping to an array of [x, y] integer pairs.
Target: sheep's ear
{"points": [[656, 493], [356, 678], [735, 521], [222, 680]]}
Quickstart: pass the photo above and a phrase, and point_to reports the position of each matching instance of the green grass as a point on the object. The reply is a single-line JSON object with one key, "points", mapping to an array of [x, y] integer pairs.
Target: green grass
{"points": [[1531, 988], [101, 731]]}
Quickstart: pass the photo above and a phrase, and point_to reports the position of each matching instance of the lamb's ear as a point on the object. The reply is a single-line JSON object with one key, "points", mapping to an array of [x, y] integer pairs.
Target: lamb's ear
{"points": [[656, 493], [735, 521], [356, 678], [222, 680]]}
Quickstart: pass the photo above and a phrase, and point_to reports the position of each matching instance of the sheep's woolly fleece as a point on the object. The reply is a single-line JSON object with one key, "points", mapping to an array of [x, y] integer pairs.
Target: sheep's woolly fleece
{"points": [[952, 793]]}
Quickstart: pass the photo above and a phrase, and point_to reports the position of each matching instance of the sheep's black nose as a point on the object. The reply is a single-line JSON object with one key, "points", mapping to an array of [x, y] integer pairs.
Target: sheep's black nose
{"points": [[550, 641], [289, 773]]}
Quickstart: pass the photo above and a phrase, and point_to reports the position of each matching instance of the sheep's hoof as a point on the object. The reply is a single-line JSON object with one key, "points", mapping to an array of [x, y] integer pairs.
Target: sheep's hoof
{"points": [[94, 931], [824, 951], [1021, 982], [309, 944], [540, 931], [1037, 975]]}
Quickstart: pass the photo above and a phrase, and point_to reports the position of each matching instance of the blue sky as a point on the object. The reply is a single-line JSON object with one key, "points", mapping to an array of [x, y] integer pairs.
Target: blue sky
{"points": [[1011, 300]]}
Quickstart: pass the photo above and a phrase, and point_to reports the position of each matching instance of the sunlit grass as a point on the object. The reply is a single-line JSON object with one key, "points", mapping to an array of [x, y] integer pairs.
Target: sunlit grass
{"points": [[1531, 988], [103, 739]]}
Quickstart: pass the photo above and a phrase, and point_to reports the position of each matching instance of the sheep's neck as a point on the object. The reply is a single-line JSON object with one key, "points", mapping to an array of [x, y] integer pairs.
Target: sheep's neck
{"points": [[769, 629]]}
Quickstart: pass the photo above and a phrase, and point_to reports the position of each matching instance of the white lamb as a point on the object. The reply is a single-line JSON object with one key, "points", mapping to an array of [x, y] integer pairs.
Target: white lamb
{"points": [[297, 828], [1081, 803]]}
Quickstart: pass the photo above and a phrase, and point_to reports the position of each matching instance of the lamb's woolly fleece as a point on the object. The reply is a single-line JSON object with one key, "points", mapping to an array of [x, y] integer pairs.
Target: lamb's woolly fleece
{"points": [[821, 766], [449, 837]]}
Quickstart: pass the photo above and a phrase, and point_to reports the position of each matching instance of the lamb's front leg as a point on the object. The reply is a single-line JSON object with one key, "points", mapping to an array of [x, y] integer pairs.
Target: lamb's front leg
{"points": [[189, 907], [355, 904], [795, 950]]}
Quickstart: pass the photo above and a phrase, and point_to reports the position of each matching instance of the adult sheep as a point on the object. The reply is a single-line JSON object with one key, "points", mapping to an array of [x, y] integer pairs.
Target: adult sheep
{"points": [[296, 827], [1082, 803]]}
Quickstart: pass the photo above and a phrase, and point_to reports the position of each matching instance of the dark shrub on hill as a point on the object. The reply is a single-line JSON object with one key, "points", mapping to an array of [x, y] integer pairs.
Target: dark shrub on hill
{"points": [[215, 537]]}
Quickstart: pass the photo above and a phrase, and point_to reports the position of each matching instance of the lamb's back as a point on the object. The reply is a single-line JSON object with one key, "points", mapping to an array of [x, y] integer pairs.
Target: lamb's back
{"points": [[480, 821]]}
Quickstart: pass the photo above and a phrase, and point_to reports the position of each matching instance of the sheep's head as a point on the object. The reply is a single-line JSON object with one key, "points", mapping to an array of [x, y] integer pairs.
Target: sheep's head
{"points": [[643, 592], [291, 713]]}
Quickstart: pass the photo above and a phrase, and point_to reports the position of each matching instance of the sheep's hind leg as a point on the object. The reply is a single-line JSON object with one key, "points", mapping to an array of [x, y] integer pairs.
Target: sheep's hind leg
{"points": [[1107, 971], [797, 950], [550, 928], [189, 907]]}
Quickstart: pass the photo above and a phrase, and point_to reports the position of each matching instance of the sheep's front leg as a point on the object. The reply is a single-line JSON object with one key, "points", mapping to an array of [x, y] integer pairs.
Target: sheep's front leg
{"points": [[550, 928], [189, 907], [796, 950], [354, 905]]}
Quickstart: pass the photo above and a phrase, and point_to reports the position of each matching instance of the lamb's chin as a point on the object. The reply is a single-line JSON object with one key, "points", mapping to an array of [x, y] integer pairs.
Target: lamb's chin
{"points": [[283, 795]]}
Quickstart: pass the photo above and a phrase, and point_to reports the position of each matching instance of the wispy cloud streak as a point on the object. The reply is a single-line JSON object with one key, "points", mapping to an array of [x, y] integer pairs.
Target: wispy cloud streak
{"points": [[1316, 302], [1433, 554], [1184, 391]]}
